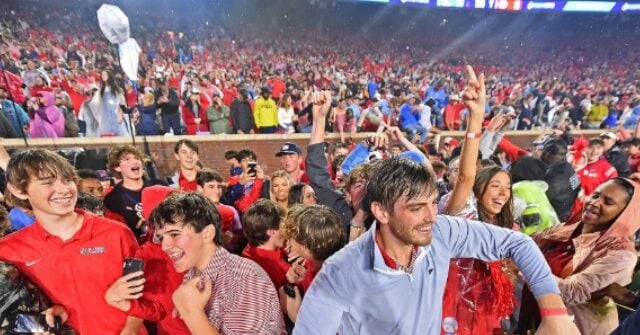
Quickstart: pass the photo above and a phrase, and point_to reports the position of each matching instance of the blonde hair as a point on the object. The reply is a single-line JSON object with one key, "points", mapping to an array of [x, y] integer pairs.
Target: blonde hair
{"points": [[279, 174]]}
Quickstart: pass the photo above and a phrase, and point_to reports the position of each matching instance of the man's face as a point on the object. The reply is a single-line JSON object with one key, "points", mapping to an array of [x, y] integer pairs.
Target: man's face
{"points": [[130, 167], [632, 149], [51, 195], [411, 221], [91, 186], [212, 190], [3, 93], [608, 142], [59, 100], [395, 151], [184, 246], [187, 157], [290, 162]]}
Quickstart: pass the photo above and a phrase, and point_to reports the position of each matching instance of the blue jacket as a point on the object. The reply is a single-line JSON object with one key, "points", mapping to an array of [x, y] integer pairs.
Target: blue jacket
{"points": [[17, 119], [355, 292], [407, 116]]}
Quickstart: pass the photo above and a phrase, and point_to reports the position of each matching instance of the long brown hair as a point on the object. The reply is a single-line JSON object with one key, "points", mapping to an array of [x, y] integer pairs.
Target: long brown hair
{"points": [[284, 101], [483, 177]]}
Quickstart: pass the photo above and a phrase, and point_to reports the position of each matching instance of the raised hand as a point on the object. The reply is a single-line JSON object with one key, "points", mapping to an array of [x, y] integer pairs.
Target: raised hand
{"points": [[475, 94]]}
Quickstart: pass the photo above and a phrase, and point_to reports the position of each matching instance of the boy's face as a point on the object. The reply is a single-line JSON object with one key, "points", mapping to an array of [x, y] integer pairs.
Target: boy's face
{"points": [[130, 167], [187, 157], [91, 186], [212, 190], [185, 247], [53, 196]]}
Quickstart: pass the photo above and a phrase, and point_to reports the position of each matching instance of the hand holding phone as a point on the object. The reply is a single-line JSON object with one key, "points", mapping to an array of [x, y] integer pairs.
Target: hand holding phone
{"points": [[252, 169], [128, 287]]}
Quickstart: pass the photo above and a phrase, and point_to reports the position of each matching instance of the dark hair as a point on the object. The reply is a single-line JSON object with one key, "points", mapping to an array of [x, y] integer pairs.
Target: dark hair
{"points": [[337, 162], [246, 153], [626, 185], [397, 178], [230, 154], [296, 194], [318, 228], [208, 175], [596, 141], [188, 209], [189, 143], [483, 177], [87, 174], [263, 215], [89, 203], [111, 82]]}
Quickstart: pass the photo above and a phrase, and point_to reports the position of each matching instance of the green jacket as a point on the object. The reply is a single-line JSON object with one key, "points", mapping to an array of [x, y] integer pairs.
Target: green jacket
{"points": [[219, 121]]}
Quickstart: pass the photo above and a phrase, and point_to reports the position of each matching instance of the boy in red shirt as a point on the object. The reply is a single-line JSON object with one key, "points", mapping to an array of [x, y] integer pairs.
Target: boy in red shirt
{"points": [[597, 170], [262, 228], [71, 255], [210, 184]]}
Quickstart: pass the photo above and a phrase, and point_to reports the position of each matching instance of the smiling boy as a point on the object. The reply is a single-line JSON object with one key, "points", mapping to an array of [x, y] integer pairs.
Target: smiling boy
{"points": [[71, 255], [222, 293]]}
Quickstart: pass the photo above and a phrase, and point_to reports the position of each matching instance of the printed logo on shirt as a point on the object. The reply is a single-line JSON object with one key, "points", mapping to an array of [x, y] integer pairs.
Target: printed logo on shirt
{"points": [[93, 250], [31, 263]]}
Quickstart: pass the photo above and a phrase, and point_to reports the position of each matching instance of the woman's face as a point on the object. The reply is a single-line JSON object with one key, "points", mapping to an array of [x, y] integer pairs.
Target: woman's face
{"points": [[604, 204], [497, 194], [105, 76], [280, 188], [309, 196]]}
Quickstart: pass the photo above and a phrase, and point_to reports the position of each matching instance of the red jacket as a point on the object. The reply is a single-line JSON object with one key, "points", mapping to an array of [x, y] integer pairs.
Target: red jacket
{"points": [[161, 281], [189, 119]]}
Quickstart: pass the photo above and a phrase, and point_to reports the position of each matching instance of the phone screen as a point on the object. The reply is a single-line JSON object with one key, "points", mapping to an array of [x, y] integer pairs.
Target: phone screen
{"points": [[28, 323]]}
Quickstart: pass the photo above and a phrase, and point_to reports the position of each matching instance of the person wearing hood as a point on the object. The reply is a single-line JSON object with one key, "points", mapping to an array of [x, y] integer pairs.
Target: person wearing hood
{"points": [[594, 253], [46, 120]]}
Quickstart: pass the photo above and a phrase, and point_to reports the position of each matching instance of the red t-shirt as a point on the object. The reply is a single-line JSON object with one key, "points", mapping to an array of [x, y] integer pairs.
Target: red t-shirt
{"points": [[272, 261], [594, 174], [76, 273]]}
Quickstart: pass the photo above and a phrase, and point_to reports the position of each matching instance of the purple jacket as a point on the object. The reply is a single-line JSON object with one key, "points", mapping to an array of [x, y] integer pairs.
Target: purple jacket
{"points": [[47, 121]]}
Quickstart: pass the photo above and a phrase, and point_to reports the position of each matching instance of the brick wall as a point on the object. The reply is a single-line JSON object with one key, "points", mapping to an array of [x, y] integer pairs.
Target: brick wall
{"points": [[212, 147]]}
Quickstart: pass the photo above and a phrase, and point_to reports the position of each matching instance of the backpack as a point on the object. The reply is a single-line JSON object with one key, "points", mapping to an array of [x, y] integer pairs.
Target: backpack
{"points": [[71, 128]]}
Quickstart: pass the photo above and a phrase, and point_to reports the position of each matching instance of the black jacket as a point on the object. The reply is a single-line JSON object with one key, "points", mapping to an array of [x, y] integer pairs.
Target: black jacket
{"points": [[320, 181], [619, 160], [242, 116], [564, 186]]}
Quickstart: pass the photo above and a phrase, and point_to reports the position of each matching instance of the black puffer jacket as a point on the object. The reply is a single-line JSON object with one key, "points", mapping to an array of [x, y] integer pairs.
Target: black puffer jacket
{"points": [[616, 157]]}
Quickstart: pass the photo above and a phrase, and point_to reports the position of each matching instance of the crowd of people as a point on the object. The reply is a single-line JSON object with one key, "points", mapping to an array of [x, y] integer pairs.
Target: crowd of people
{"points": [[239, 80], [386, 236]]}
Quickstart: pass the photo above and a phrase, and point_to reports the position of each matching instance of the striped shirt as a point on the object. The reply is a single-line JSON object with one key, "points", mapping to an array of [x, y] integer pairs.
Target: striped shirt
{"points": [[243, 300]]}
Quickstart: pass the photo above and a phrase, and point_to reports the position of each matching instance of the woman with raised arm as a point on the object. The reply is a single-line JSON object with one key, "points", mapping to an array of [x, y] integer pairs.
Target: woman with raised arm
{"points": [[478, 295]]}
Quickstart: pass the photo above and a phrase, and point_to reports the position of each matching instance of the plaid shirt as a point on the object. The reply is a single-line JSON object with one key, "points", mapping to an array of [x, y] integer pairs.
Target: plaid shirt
{"points": [[243, 300]]}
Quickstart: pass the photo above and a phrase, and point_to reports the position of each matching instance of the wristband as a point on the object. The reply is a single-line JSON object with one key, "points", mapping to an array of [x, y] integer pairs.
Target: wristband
{"points": [[544, 312], [356, 226], [473, 135]]}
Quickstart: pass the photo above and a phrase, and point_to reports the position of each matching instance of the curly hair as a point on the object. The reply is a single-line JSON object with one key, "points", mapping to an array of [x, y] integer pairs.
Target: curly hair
{"points": [[317, 227], [116, 154]]}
